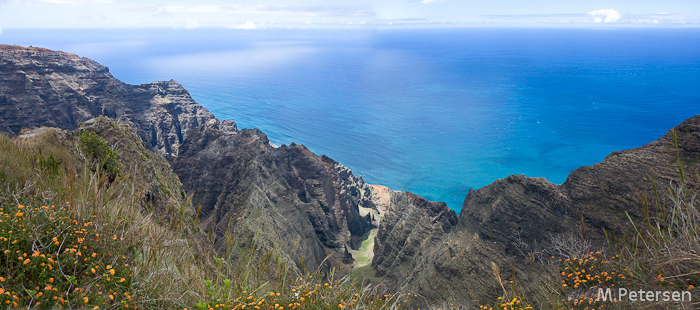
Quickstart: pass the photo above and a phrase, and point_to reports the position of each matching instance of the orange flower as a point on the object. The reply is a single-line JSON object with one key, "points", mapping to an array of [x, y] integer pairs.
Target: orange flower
{"points": [[26, 261], [85, 299], [111, 271]]}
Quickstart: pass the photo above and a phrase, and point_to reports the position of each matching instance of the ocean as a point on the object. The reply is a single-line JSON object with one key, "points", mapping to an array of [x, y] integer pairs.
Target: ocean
{"points": [[432, 111]]}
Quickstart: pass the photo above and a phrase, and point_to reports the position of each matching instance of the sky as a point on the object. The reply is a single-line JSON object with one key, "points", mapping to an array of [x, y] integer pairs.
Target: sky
{"points": [[261, 14]]}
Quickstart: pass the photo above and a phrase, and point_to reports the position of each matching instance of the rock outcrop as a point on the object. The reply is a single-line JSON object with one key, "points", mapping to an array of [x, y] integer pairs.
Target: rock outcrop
{"points": [[518, 222], [40, 87], [409, 225], [302, 205]]}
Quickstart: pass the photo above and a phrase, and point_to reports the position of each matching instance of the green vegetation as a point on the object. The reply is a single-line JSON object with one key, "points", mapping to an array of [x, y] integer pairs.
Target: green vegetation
{"points": [[363, 255], [101, 156], [78, 230], [662, 254]]}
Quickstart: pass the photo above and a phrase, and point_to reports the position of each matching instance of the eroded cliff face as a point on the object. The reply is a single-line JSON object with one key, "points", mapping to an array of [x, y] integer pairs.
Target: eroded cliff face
{"points": [[517, 222], [302, 205], [409, 225], [40, 87]]}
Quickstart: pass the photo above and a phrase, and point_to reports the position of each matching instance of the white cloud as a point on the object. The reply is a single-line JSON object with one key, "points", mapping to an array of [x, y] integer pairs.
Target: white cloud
{"points": [[249, 25], [189, 9], [430, 1], [76, 2], [598, 18], [190, 24], [266, 9], [605, 15]]}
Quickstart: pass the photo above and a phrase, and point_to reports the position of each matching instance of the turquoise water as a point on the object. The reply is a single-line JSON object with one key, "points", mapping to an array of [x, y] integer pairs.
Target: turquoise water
{"points": [[432, 111]]}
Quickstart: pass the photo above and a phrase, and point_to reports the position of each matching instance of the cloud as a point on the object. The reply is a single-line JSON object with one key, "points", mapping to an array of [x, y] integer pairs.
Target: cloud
{"points": [[249, 25], [76, 2], [190, 9], [430, 1], [266, 9], [190, 24], [597, 19], [606, 15]]}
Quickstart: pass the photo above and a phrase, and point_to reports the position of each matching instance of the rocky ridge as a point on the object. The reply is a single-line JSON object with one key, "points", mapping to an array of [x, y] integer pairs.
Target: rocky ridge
{"points": [[518, 223], [40, 87], [302, 205]]}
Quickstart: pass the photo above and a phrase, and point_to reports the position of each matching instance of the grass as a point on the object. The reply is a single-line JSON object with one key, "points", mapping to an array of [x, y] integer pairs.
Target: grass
{"points": [[76, 233], [363, 255], [662, 254], [86, 241]]}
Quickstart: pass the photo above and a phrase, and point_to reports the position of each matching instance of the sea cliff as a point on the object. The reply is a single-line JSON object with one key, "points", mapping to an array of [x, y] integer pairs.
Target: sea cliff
{"points": [[311, 212]]}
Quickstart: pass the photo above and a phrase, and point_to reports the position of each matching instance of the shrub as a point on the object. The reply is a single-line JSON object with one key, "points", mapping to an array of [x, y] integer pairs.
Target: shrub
{"points": [[51, 164], [52, 259], [102, 157]]}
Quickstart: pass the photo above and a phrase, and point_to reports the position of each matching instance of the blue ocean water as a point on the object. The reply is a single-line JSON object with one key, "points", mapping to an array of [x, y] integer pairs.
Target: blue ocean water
{"points": [[432, 111]]}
